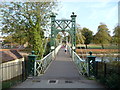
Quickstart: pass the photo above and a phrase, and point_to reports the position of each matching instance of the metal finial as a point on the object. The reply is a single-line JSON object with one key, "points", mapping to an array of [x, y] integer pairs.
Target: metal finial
{"points": [[52, 15], [90, 52], [73, 13], [33, 52]]}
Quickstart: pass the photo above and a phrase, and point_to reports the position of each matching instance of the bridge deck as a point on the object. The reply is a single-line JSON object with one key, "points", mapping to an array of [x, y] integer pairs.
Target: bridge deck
{"points": [[62, 68], [64, 72]]}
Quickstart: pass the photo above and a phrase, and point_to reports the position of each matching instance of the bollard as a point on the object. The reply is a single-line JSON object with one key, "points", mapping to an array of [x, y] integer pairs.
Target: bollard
{"points": [[91, 64], [31, 61]]}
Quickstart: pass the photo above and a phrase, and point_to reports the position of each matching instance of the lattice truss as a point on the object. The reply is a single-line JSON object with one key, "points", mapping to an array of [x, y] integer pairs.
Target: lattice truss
{"points": [[41, 65], [63, 24], [39, 69], [82, 65]]}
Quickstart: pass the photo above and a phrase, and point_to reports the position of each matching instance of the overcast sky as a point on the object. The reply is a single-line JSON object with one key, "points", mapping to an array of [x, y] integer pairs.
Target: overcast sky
{"points": [[90, 12]]}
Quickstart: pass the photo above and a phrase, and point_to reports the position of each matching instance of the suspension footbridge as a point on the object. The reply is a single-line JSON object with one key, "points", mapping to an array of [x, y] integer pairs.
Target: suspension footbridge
{"points": [[62, 72], [58, 69]]}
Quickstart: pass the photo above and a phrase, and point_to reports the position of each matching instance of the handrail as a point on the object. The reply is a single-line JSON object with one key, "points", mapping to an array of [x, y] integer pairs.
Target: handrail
{"points": [[78, 56], [46, 56], [41, 65], [80, 63]]}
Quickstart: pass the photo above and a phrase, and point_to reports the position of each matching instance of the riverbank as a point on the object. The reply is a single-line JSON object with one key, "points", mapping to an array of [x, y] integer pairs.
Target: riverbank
{"points": [[97, 51], [87, 54]]}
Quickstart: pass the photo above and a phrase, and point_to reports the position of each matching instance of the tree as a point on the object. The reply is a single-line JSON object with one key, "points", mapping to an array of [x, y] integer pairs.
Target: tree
{"points": [[88, 36], [116, 36], [27, 20], [8, 40], [102, 36], [58, 38], [79, 36]]}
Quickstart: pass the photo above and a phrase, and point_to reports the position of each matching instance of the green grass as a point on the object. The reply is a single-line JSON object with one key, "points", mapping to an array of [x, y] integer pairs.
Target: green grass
{"points": [[96, 46]]}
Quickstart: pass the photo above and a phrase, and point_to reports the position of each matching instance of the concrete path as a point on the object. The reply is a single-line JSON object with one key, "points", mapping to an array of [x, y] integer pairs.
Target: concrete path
{"points": [[62, 73]]}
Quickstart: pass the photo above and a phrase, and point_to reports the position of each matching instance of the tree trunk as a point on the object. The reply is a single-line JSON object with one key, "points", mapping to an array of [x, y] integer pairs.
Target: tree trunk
{"points": [[102, 46], [86, 46]]}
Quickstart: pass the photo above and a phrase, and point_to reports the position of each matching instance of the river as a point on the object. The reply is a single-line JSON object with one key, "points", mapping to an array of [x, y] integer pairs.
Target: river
{"points": [[104, 58]]}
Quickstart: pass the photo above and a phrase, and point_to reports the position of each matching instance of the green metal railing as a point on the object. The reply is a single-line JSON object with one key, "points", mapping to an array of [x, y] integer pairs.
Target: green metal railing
{"points": [[85, 67], [40, 66], [80, 63]]}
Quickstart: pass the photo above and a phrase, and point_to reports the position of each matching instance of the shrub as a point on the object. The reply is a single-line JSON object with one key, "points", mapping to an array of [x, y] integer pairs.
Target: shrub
{"points": [[113, 81]]}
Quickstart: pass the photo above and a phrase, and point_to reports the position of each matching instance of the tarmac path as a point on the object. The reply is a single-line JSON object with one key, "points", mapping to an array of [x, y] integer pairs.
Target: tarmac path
{"points": [[62, 73]]}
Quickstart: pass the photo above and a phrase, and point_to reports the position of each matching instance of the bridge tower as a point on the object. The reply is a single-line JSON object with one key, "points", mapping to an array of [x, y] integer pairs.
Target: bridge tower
{"points": [[63, 25]]}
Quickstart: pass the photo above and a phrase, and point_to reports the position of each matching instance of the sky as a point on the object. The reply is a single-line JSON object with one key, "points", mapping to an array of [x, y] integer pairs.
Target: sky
{"points": [[90, 13]]}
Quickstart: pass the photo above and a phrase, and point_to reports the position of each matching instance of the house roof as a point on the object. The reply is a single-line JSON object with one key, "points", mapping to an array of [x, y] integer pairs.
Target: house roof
{"points": [[10, 55]]}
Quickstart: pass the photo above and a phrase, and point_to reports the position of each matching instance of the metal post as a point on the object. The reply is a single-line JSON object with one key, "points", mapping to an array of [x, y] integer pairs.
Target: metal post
{"points": [[53, 50], [52, 43], [96, 69], [35, 68], [73, 28], [31, 63], [104, 69], [91, 64]]}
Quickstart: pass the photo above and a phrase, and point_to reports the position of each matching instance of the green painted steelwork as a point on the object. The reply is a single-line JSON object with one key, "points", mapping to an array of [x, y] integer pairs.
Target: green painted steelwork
{"points": [[63, 25], [40, 66], [80, 63], [32, 57], [91, 64]]}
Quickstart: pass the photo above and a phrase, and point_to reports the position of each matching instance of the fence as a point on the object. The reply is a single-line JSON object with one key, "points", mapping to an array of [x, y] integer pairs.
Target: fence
{"points": [[81, 64], [13, 72], [106, 69], [41, 65], [109, 73]]}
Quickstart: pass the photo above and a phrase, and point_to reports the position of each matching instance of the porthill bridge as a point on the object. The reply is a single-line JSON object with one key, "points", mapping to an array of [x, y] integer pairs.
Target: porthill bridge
{"points": [[60, 69]]}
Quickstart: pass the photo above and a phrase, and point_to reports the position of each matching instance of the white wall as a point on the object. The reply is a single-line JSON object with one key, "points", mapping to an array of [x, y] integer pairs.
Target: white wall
{"points": [[11, 69]]}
